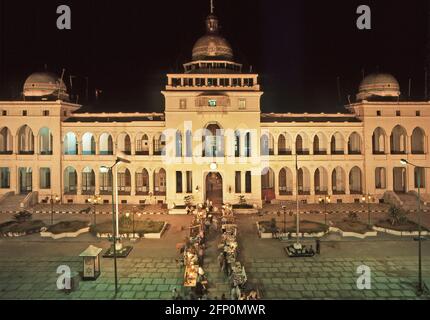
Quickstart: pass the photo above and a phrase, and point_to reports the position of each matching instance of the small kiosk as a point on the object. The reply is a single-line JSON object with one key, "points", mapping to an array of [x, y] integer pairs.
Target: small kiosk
{"points": [[91, 263]]}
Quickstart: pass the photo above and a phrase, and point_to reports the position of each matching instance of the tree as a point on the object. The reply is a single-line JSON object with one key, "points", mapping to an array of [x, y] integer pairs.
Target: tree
{"points": [[396, 215]]}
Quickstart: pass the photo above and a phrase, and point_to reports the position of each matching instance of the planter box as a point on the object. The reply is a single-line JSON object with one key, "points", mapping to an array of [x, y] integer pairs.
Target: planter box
{"points": [[268, 235], [245, 211], [354, 234], [400, 233], [181, 211], [263, 235], [46, 234], [136, 236]]}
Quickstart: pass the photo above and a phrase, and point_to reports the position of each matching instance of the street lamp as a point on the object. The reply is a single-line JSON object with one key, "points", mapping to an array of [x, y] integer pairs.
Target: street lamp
{"points": [[325, 201], [420, 278], [53, 199], [367, 199], [115, 210], [285, 219], [95, 200]]}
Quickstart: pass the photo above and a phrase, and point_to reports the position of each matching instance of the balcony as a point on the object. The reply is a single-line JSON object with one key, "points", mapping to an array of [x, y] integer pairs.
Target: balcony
{"points": [[285, 152], [6, 152], [26, 152], [142, 153], [320, 152]]}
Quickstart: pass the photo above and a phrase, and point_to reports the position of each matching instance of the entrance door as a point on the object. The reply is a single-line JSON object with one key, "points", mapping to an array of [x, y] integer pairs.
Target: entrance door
{"points": [[399, 177], [214, 188], [25, 180]]}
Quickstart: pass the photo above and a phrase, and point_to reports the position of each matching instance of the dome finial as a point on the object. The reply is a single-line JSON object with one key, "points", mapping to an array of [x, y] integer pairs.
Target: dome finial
{"points": [[212, 7]]}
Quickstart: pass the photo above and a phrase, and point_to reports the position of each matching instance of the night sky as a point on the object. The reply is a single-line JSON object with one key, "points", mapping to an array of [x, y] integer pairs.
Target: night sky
{"points": [[299, 48]]}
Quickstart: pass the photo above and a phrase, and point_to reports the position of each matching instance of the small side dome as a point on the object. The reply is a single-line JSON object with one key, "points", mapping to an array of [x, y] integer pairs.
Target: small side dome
{"points": [[378, 85], [45, 86]]}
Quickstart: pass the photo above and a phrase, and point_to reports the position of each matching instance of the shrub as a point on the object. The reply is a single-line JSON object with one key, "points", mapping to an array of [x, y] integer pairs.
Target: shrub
{"points": [[23, 216]]}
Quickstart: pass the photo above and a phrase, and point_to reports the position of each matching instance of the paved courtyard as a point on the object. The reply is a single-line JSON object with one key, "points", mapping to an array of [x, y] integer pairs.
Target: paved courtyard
{"points": [[28, 265]]}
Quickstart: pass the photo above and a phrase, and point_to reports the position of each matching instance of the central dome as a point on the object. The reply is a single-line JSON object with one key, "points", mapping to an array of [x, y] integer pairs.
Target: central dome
{"points": [[378, 85], [212, 46]]}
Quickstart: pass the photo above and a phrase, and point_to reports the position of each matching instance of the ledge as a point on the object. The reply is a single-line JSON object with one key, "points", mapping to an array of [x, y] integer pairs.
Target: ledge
{"points": [[45, 234], [400, 233], [353, 234]]}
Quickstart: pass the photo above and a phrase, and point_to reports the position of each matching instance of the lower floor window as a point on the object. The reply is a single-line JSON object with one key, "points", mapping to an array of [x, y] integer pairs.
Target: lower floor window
{"points": [[45, 178], [178, 182], [189, 182], [248, 188], [4, 178], [419, 173]]}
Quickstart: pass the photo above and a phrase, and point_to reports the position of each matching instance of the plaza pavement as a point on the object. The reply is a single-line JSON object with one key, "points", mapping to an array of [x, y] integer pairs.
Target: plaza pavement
{"points": [[28, 265]]}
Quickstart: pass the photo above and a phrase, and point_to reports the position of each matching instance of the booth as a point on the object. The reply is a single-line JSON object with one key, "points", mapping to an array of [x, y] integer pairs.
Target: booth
{"points": [[91, 263]]}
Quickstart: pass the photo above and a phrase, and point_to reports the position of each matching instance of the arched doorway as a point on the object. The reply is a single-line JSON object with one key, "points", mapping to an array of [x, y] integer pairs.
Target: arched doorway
{"points": [[214, 188]]}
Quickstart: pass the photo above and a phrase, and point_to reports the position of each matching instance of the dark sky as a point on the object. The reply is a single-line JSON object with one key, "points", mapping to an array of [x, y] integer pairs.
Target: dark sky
{"points": [[298, 47]]}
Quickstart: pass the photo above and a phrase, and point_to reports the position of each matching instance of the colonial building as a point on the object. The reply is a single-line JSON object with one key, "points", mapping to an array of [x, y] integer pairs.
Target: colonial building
{"points": [[212, 141]]}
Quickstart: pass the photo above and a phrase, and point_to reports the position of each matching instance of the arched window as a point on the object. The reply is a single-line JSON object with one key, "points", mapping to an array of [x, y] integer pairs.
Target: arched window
{"points": [[266, 144], [354, 143], [355, 181], [303, 181], [106, 144], [160, 182], [338, 181], [159, 145], [398, 140], [106, 178], [88, 144], [301, 144], [320, 181], [124, 143], [124, 181], [284, 144], [285, 182], [213, 141], [178, 143], [337, 144], [25, 140], [6, 141], [378, 141], [189, 143], [417, 141], [142, 182], [320, 144], [88, 181], [268, 184], [248, 150], [70, 144], [237, 143], [142, 145]]}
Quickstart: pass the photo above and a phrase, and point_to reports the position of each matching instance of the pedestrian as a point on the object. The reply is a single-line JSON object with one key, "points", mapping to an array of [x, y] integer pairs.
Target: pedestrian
{"points": [[175, 294], [215, 224], [201, 256], [318, 246], [223, 297]]}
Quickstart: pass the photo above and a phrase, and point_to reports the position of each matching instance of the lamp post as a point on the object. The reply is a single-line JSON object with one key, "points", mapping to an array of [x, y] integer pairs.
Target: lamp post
{"points": [[285, 219], [420, 279], [115, 219], [366, 199], [325, 201], [52, 200], [95, 200]]}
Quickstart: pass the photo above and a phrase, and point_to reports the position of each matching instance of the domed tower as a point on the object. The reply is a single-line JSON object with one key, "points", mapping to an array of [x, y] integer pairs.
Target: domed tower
{"points": [[377, 86], [45, 86], [212, 46], [212, 53]]}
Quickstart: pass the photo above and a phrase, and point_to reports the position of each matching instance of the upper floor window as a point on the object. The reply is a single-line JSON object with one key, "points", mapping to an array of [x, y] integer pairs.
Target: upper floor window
{"points": [[176, 82], [398, 113], [418, 113], [224, 82], [212, 82], [183, 104], [188, 82], [4, 113], [242, 104], [378, 113], [200, 82], [24, 113], [248, 82], [45, 113]]}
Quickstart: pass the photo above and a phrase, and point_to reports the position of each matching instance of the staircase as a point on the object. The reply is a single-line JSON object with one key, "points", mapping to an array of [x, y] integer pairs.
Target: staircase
{"points": [[12, 203], [410, 202]]}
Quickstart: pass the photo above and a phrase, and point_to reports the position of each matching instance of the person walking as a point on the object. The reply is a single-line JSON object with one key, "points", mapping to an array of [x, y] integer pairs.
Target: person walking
{"points": [[221, 260]]}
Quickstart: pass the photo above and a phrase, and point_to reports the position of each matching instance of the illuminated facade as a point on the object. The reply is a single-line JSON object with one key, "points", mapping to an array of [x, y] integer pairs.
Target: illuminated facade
{"points": [[212, 141]]}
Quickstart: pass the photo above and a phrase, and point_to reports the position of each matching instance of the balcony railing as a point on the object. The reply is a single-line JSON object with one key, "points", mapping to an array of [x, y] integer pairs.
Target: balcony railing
{"points": [[284, 152]]}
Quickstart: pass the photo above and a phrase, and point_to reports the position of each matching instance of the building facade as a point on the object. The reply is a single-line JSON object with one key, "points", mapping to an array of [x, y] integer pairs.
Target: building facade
{"points": [[213, 142]]}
